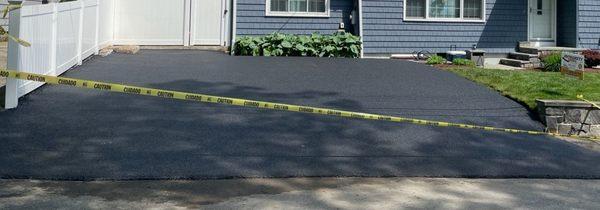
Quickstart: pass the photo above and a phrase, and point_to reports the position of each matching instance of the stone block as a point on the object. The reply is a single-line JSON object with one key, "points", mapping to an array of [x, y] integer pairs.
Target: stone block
{"points": [[584, 128], [105, 52], [595, 130], [552, 123], [554, 111], [564, 128], [594, 117], [573, 116], [127, 49]]}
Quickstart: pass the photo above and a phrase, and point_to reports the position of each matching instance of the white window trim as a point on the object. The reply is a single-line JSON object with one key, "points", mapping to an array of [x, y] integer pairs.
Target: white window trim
{"points": [[297, 14], [461, 19]]}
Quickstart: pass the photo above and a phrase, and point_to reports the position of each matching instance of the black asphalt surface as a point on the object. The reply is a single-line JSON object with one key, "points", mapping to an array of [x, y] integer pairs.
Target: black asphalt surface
{"points": [[73, 134]]}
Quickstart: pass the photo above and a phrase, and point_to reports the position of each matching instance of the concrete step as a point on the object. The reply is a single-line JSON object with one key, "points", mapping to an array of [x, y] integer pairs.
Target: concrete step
{"points": [[516, 63], [529, 50], [523, 56]]}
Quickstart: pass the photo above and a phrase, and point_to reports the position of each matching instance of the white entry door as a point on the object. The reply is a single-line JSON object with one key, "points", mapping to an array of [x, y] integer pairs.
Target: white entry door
{"points": [[207, 24], [542, 21]]}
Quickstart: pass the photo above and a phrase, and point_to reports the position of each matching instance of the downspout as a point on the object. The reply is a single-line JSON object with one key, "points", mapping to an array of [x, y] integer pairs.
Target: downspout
{"points": [[233, 26], [577, 39], [360, 29]]}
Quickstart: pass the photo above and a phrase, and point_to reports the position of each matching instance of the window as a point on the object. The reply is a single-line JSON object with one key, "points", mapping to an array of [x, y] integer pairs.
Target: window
{"points": [[298, 8], [444, 10], [415, 8], [473, 9]]}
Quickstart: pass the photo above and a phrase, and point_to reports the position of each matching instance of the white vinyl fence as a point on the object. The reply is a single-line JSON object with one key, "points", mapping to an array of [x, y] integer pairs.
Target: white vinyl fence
{"points": [[61, 36]]}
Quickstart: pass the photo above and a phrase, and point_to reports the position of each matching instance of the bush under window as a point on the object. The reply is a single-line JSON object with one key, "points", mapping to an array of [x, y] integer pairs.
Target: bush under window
{"points": [[339, 44]]}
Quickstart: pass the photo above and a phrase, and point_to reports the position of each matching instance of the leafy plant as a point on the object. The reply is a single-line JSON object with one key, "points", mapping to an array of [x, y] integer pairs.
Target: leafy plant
{"points": [[592, 58], [435, 60], [463, 62], [249, 46], [339, 44], [552, 61]]}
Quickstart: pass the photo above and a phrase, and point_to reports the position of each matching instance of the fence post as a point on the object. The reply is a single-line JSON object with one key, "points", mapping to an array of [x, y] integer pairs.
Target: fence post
{"points": [[80, 38], [187, 23], [54, 40], [97, 38], [13, 63]]}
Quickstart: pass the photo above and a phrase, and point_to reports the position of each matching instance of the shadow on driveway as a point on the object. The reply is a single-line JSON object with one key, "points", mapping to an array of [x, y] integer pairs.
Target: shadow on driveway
{"points": [[72, 134]]}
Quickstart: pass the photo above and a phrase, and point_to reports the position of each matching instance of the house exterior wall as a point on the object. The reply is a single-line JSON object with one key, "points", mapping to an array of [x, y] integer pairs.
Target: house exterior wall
{"points": [[566, 23], [252, 19], [385, 32], [589, 24]]}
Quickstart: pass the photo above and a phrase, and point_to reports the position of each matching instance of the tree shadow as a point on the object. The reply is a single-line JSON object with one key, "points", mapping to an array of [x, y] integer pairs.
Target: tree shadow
{"points": [[61, 133], [124, 137], [309, 193], [74, 134]]}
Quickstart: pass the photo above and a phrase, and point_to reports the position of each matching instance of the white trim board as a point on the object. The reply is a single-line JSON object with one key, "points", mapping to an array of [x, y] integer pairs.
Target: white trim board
{"points": [[459, 20], [327, 12]]}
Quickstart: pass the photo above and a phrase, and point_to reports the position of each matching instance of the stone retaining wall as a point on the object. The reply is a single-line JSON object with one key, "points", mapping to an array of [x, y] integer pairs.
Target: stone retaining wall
{"points": [[570, 117]]}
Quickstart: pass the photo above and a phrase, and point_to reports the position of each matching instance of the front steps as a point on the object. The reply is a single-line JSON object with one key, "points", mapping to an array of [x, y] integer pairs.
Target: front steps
{"points": [[522, 60], [528, 56]]}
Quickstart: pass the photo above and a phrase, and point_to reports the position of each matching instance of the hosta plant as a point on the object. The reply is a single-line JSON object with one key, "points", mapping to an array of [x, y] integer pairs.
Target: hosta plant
{"points": [[339, 44]]}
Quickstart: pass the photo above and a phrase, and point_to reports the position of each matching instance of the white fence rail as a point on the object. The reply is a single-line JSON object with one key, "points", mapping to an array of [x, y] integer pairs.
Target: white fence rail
{"points": [[61, 36]]}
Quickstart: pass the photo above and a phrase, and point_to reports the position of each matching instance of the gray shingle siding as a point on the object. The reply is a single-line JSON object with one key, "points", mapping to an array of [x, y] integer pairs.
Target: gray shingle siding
{"points": [[589, 24], [385, 32], [251, 19]]}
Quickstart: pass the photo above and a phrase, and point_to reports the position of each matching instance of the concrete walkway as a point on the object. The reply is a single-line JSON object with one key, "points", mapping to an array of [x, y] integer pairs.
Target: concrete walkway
{"points": [[305, 193]]}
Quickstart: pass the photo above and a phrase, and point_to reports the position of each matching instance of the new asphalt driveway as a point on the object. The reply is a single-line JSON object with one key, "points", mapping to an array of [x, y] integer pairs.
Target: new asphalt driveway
{"points": [[65, 133]]}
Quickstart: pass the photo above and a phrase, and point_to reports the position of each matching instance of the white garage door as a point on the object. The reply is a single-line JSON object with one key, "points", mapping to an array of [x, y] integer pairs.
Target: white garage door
{"points": [[172, 22]]}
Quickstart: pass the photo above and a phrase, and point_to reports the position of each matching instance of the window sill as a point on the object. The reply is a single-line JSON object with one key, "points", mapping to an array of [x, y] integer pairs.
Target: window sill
{"points": [[444, 20], [297, 14]]}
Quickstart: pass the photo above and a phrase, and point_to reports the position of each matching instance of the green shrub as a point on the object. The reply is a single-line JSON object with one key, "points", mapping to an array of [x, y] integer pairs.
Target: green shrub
{"points": [[339, 44], [463, 62], [435, 60], [552, 61]]}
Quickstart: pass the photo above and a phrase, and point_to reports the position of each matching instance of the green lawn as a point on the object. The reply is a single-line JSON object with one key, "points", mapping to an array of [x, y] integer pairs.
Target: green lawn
{"points": [[527, 86]]}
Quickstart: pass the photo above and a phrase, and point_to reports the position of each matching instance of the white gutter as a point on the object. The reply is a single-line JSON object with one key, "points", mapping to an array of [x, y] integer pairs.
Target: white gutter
{"points": [[360, 29], [233, 25]]}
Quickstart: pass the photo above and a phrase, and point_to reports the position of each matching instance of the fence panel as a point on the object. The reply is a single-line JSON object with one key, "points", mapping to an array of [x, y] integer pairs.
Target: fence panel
{"points": [[106, 22], [89, 35], [68, 35], [34, 25], [61, 36]]}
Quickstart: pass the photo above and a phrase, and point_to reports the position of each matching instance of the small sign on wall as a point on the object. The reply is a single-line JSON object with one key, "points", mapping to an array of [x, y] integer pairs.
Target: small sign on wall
{"points": [[572, 65]]}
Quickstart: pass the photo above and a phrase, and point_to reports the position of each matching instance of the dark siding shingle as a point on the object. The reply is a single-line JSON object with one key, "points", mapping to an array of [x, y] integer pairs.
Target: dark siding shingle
{"points": [[589, 24], [384, 30], [251, 19]]}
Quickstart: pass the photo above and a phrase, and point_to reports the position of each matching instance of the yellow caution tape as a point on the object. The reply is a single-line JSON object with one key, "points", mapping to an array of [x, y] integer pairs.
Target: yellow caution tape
{"points": [[89, 84], [592, 103]]}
